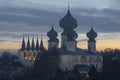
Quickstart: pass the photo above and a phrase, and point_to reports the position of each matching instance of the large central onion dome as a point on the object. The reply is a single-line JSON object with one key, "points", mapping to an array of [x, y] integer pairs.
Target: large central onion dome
{"points": [[91, 34], [68, 21]]}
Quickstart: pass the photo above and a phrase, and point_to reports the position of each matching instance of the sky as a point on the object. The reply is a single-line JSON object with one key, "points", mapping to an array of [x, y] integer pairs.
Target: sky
{"points": [[35, 17]]}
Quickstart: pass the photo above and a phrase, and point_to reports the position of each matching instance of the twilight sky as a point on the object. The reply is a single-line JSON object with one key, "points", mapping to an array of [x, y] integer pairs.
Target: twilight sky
{"points": [[35, 17]]}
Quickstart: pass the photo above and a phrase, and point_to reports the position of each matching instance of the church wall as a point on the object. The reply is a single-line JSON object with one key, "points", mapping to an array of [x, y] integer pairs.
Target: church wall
{"points": [[27, 58], [69, 61], [66, 62]]}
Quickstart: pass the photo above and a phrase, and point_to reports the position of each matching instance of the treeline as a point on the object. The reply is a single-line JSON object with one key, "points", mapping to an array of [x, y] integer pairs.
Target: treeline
{"points": [[111, 64], [9, 66], [46, 67]]}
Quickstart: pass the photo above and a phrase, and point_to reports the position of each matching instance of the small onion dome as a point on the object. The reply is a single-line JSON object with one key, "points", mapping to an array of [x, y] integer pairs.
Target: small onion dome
{"points": [[68, 21], [91, 34], [52, 33]]}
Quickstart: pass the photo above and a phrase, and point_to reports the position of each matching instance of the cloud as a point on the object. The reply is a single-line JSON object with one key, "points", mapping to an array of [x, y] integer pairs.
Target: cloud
{"points": [[3, 41], [105, 20], [15, 35], [108, 36], [53, 4], [82, 40], [19, 19]]}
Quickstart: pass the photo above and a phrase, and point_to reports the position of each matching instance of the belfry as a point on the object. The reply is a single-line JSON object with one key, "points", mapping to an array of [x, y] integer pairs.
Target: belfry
{"points": [[68, 37]]}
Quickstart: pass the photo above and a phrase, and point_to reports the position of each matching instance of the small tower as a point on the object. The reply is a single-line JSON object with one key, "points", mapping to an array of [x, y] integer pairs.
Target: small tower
{"points": [[53, 41], [42, 49], [28, 44], [37, 45], [32, 46], [23, 44], [68, 37], [92, 42], [22, 50]]}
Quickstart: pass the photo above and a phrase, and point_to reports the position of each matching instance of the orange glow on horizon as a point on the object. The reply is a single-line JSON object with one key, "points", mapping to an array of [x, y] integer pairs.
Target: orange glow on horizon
{"points": [[100, 45]]}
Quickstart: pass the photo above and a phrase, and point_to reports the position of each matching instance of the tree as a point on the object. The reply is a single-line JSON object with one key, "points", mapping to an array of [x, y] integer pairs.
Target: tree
{"points": [[9, 60], [60, 75], [111, 67], [76, 73], [47, 64], [5, 58], [93, 73]]}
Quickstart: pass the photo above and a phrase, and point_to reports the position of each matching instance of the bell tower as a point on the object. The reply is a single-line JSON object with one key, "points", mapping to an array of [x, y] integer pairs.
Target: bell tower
{"points": [[68, 37]]}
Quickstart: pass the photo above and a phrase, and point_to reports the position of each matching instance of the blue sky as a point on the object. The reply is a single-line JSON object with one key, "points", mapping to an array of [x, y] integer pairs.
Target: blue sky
{"points": [[35, 17]]}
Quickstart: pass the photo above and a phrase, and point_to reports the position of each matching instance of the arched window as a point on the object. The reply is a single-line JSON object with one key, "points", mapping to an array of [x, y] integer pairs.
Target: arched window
{"points": [[30, 56], [90, 59], [98, 59], [34, 56]]}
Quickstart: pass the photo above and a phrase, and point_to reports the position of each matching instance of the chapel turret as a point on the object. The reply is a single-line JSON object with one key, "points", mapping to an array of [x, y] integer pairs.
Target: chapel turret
{"points": [[53, 41], [92, 42]]}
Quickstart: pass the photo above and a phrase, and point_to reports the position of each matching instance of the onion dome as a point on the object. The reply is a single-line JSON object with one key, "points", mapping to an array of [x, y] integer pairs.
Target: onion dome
{"points": [[68, 21], [52, 33], [23, 44], [91, 35]]}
